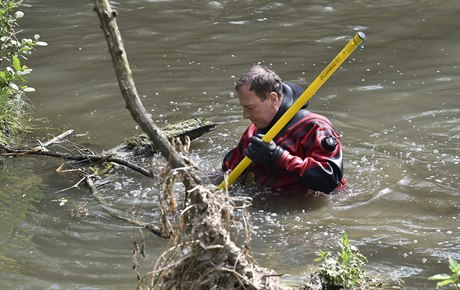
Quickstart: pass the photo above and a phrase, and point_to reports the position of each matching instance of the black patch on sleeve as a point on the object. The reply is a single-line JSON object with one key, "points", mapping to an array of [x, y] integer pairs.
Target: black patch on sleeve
{"points": [[329, 143]]}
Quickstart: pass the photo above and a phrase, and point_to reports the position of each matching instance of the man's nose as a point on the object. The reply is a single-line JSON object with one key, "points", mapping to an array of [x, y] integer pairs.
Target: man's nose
{"points": [[246, 114]]}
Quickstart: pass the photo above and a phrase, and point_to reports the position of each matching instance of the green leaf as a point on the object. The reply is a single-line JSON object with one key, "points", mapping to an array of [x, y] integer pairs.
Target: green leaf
{"points": [[445, 282], [453, 265], [16, 63], [439, 277]]}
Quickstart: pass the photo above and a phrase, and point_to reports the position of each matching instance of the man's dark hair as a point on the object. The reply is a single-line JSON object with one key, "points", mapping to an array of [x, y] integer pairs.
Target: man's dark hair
{"points": [[262, 81]]}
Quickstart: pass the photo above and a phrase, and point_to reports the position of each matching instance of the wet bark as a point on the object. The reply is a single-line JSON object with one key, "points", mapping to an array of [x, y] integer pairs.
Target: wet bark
{"points": [[107, 17]]}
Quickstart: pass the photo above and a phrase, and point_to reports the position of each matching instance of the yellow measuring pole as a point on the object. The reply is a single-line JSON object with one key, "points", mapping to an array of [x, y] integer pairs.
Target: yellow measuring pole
{"points": [[298, 104]]}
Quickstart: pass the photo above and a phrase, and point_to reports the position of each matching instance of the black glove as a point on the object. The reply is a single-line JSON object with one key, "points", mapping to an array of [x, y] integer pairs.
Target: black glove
{"points": [[262, 152]]}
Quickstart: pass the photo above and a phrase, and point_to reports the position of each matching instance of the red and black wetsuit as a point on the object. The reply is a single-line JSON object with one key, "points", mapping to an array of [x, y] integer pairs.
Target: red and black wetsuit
{"points": [[312, 156]]}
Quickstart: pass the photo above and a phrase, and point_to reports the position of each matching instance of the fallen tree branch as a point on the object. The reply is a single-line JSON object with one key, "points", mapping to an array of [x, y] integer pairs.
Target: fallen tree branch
{"points": [[117, 213], [58, 139], [129, 92], [80, 158], [141, 145], [202, 234]]}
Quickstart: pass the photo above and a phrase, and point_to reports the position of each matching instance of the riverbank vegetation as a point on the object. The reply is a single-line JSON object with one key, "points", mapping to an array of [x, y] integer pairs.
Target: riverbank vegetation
{"points": [[452, 279], [346, 269], [14, 51]]}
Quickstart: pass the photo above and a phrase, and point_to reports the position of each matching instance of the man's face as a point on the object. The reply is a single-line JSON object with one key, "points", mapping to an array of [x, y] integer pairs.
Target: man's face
{"points": [[260, 112]]}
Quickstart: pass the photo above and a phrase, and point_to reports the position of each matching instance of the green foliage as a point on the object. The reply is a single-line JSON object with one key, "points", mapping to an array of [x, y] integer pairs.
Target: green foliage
{"points": [[346, 269], [101, 168], [453, 278], [13, 52]]}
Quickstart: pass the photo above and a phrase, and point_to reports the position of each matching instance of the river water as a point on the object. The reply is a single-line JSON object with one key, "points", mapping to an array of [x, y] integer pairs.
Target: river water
{"points": [[396, 103]]}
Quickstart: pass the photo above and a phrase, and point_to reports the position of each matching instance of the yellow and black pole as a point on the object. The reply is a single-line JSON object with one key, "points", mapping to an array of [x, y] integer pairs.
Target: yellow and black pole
{"points": [[298, 104]]}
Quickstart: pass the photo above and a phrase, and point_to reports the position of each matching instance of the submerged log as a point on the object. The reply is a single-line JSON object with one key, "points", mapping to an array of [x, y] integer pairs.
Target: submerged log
{"points": [[141, 145], [123, 154], [193, 128]]}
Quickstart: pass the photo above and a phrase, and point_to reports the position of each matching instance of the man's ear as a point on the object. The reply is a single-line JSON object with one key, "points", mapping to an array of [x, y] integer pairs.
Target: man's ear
{"points": [[274, 98]]}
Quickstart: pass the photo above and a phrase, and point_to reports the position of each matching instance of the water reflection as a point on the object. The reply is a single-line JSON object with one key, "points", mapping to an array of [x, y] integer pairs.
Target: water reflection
{"points": [[19, 191]]}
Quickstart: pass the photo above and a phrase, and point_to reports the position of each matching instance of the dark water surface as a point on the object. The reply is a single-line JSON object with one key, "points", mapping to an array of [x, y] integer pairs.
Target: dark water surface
{"points": [[397, 104]]}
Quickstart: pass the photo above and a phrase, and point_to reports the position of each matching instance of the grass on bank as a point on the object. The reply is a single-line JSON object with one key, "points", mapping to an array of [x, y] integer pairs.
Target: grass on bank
{"points": [[14, 104]]}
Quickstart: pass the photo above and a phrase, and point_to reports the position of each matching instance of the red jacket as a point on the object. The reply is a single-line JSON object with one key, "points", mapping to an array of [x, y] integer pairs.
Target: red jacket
{"points": [[307, 162]]}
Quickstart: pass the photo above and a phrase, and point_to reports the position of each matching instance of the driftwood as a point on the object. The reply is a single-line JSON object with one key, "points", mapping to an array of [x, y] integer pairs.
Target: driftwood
{"points": [[123, 154], [202, 256], [58, 139], [141, 145], [129, 92], [80, 158]]}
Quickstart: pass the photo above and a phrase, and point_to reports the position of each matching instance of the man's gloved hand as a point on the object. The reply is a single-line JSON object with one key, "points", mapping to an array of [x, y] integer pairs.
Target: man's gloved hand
{"points": [[262, 152]]}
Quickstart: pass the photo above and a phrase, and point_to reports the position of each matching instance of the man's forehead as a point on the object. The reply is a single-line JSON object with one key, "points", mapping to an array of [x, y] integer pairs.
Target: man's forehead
{"points": [[246, 102], [248, 98]]}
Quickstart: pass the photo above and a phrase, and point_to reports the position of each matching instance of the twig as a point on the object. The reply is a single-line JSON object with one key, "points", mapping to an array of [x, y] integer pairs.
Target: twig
{"points": [[116, 213], [94, 158], [58, 139], [70, 187]]}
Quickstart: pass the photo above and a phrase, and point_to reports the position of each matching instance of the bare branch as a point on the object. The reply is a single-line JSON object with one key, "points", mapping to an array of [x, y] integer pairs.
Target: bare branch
{"points": [[109, 25]]}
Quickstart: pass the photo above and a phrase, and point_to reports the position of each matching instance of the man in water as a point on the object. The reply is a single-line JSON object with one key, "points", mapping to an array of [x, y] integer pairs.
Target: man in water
{"points": [[305, 155]]}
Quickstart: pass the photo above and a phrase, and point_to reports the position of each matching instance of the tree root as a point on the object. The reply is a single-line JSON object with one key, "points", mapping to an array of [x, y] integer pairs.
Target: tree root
{"points": [[203, 255]]}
